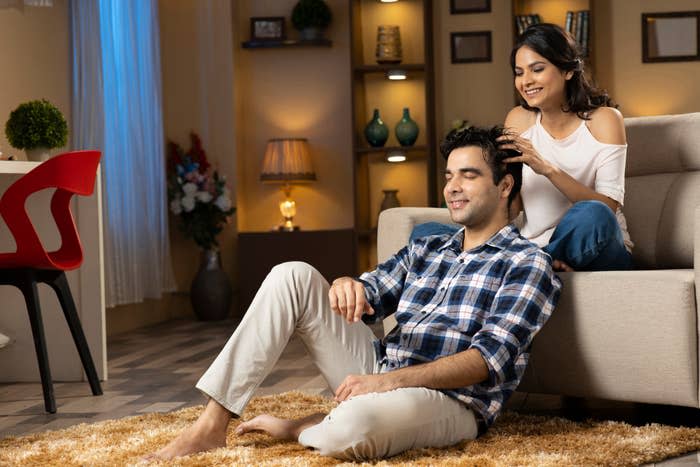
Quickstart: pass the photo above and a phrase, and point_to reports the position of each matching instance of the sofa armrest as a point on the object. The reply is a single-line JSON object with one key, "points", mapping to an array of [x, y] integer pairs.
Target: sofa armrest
{"points": [[396, 224]]}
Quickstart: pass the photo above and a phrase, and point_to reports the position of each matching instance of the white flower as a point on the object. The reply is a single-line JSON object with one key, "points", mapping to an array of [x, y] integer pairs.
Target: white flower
{"points": [[188, 203], [175, 206], [223, 202], [204, 196], [190, 189]]}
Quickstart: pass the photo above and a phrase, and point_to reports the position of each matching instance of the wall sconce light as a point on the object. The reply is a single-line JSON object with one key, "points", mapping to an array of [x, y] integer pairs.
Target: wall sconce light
{"points": [[396, 75], [388, 1], [287, 161], [395, 156]]}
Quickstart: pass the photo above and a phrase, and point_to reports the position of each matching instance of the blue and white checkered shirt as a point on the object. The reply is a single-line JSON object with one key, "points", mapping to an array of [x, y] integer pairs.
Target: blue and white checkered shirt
{"points": [[493, 298]]}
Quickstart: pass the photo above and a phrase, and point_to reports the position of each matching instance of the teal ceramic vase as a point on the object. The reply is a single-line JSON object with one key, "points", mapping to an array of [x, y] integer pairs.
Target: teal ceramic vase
{"points": [[406, 130], [376, 132]]}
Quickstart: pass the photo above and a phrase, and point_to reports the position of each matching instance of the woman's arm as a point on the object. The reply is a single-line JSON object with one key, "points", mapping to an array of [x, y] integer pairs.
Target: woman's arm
{"points": [[606, 125]]}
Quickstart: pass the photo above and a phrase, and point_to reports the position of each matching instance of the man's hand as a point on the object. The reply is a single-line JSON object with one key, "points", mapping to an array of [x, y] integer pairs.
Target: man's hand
{"points": [[355, 385], [347, 297]]}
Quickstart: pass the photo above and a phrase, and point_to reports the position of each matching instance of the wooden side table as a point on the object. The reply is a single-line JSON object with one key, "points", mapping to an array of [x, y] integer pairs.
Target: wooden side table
{"points": [[332, 252]]}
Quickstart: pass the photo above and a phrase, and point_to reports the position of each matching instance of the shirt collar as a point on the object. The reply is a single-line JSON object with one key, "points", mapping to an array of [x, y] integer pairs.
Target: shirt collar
{"points": [[500, 239]]}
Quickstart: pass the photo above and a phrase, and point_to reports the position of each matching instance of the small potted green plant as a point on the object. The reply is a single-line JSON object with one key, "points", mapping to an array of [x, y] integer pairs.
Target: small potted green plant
{"points": [[310, 18], [36, 127]]}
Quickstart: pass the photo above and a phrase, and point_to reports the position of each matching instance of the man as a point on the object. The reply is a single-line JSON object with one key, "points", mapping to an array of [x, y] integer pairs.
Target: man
{"points": [[467, 305]]}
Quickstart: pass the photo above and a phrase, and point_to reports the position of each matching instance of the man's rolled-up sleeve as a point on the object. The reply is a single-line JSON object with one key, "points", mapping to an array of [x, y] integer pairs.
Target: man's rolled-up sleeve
{"points": [[524, 302]]}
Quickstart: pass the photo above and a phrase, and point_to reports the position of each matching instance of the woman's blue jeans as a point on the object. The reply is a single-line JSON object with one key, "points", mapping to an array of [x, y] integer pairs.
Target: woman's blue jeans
{"points": [[588, 238]]}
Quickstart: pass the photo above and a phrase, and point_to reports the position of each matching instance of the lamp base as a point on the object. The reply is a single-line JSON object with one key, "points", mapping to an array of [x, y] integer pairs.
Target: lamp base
{"points": [[283, 228]]}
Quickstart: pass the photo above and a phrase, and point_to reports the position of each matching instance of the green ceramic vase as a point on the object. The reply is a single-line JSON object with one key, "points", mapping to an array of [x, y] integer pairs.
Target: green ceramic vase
{"points": [[376, 132], [406, 130]]}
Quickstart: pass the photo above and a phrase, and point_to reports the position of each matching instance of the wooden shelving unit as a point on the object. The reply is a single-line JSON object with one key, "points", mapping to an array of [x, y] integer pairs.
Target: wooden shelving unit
{"points": [[267, 44], [416, 177]]}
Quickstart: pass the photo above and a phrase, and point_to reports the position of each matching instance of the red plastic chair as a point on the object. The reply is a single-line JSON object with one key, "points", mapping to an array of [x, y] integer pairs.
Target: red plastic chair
{"points": [[70, 173]]}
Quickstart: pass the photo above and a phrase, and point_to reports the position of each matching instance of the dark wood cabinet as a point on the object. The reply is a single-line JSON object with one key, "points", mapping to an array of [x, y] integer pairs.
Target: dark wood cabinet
{"points": [[332, 252]]}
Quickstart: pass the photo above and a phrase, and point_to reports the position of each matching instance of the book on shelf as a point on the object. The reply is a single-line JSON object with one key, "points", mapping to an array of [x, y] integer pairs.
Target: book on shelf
{"points": [[577, 24], [569, 20], [522, 22]]}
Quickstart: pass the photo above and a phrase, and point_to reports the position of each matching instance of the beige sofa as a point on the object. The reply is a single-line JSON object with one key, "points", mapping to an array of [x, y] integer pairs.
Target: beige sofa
{"points": [[623, 335]]}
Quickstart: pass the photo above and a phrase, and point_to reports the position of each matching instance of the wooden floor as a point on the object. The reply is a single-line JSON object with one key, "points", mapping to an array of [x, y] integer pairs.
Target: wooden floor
{"points": [[155, 370]]}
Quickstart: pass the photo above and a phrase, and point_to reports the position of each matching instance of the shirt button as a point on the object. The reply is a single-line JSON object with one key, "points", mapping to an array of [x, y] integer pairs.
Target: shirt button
{"points": [[442, 289], [461, 260], [404, 337]]}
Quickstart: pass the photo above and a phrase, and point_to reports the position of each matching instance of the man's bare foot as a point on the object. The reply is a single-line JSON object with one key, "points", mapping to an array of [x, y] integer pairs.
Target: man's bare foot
{"points": [[207, 433], [278, 427]]}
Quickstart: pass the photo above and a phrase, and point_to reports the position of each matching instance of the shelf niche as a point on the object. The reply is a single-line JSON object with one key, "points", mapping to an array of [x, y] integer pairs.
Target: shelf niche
{"points": [[416, 177]]}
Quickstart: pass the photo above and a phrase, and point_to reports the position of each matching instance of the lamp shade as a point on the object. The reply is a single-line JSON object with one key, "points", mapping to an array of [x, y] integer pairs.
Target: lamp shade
{"points": [[287, 160]]}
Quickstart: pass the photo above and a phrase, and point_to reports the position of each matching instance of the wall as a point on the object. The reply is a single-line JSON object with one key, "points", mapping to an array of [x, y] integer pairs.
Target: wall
{"points": [[642, 88], [481, 93], [36, 61], [296, 92]]}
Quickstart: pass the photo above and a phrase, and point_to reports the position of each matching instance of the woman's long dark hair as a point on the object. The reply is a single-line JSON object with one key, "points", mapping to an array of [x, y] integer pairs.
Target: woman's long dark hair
{"points": [[557, 46]]}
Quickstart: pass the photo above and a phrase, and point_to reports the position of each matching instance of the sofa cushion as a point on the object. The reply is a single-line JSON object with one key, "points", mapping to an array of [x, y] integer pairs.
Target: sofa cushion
{"points": [[432, 228], [662, 188], [620, 335]]}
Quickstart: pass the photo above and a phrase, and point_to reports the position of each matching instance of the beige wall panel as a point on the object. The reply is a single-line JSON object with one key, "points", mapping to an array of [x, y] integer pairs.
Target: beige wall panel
{"points": [[642, 88], [298, 92], [481, 93], [36, 62]]}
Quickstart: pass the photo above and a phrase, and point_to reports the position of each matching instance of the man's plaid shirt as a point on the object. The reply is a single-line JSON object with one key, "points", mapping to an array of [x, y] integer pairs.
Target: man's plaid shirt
{"points": [[493, 298]]}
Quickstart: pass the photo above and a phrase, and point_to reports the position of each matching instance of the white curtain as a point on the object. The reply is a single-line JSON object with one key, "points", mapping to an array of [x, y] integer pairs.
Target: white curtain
{"points": [[117, 109]]}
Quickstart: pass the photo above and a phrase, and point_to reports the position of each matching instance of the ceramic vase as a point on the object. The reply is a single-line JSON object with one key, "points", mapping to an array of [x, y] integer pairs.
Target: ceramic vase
{"points": [[388, 45], [406, 130], [376, 132], [211, 292], [390, 200]]}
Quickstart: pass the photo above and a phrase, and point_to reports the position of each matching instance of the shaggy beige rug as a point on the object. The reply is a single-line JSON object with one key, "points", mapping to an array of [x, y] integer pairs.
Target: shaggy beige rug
{"points": [[515, 440]]}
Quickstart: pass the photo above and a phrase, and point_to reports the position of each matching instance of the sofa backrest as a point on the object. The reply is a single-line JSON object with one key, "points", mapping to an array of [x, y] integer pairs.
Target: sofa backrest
{"points": [[662, 188]]}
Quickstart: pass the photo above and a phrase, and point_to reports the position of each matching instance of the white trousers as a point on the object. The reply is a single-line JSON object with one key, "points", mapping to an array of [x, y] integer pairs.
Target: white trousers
{"points": [[294, 299]]}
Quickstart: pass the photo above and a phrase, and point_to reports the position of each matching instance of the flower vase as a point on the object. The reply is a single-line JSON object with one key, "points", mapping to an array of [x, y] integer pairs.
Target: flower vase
{"points": [[376, 132], [211, 292], [406, 130]]}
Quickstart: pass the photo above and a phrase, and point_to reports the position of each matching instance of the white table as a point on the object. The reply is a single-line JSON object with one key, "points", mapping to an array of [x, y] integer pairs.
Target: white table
{"points": [[18, 360]]}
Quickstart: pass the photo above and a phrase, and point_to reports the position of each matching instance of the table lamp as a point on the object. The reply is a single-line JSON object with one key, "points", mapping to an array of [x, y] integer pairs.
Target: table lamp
{"points": [[287, 161]]}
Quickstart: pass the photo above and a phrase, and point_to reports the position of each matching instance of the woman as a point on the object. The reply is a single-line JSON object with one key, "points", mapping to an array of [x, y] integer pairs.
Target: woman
{"points": [[573, 146]]}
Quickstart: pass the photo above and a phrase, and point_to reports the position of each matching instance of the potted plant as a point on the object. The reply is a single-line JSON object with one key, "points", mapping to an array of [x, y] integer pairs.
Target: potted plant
{"points": [[310, 18], [36, 127]]}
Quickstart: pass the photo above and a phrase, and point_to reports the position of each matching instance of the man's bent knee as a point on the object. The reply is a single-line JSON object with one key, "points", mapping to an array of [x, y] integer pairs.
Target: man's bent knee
{"points": [[291, 268]]}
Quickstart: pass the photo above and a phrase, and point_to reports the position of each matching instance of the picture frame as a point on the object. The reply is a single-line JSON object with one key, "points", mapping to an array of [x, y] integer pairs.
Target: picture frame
{"points": [[470, 47], [671, 36], [267, 28], [461, 7]]}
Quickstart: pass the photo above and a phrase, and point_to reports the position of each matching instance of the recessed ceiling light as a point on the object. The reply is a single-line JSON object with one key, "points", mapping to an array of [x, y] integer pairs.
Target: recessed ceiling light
{"points": [[395, 75], [396, 156]]}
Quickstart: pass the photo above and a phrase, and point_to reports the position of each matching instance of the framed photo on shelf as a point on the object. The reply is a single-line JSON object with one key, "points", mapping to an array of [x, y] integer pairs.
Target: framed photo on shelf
{"points": [[671, 37], [459, 7], [268, 28], [470, 47]]}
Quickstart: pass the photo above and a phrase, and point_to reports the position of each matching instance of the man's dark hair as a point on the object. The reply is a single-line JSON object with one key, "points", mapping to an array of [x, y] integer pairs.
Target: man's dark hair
{"points": [[485, 138]]}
